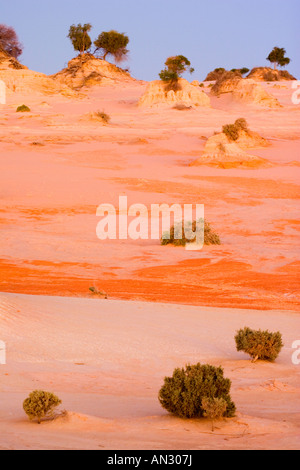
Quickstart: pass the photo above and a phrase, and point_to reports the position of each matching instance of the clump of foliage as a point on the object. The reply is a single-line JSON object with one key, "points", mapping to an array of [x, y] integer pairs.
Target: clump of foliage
{"points": [[23, 109], [183, 393], [277, 57], [112, 43], [80, 38], [181, 234], [9, 41], [96, 291], [103, 116], [242, 71], [175, 67], [259, 344], [232, 131], [40, 405], [182, 107], [214, 408]]}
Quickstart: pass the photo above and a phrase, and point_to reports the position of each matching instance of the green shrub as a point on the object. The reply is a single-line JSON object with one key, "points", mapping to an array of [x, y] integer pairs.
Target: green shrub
{"points": [[40, 405], [182, 394], [214, 408], [23, 109], [259, 344], [177, 234]]}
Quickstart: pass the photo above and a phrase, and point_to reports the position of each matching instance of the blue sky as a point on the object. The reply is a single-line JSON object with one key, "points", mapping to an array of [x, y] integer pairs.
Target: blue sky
{"points": [[211, 33]]}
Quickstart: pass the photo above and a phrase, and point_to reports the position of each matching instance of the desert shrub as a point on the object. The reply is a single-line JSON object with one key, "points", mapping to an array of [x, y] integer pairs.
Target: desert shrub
{"points": [[96, 291], [232, 131], [182, 107], [241, 124], [23, 109], [214, 408], [244, 70], [182, 394], [177, 235], [103, 116], [40, 405], [201, 85], [259, 344]]}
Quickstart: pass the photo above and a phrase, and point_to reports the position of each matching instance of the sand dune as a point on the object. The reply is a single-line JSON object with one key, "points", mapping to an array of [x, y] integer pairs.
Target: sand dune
{"points": [[107, 359], [95, 356]]}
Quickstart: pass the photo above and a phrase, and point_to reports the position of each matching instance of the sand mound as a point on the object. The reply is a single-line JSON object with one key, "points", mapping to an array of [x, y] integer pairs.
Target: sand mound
{"points": [[8, 62], [220, 152], [250, 92], [245, 90], [269, 75], [226, 83], [188, 95], [19, 79], [87, 70], [222, 74], [250, 139]]}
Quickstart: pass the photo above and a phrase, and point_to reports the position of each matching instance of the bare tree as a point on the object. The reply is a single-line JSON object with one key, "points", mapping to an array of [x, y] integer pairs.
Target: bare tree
{"points": [[9, 41]]}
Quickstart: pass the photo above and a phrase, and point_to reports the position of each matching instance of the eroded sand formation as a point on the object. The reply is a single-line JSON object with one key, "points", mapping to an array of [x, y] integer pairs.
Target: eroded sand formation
{"points": [[157, 93], [87, 70]]}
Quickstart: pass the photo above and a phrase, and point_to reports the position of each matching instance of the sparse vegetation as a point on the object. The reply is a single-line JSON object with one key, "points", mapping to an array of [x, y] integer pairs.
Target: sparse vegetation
{"points": [[214, 408], [80, 38], [242, 71], [259, 344], [232, 131], [182, 107], [23, 109], [96, 291], [277, 57], [180, 234], [183, 393], [175, 67], [112, 43], [103, 116], [40, 405], [9, 41]]}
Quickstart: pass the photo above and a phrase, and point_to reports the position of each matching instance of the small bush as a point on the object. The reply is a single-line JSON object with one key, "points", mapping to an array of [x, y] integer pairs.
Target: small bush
{"points": [[241, 124], [177, 235], [182, 107], [182, 394], [259, 344], [103, 116], [40, 405], [232, 131], [23, 109], [96, 291], [214, 408]]}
